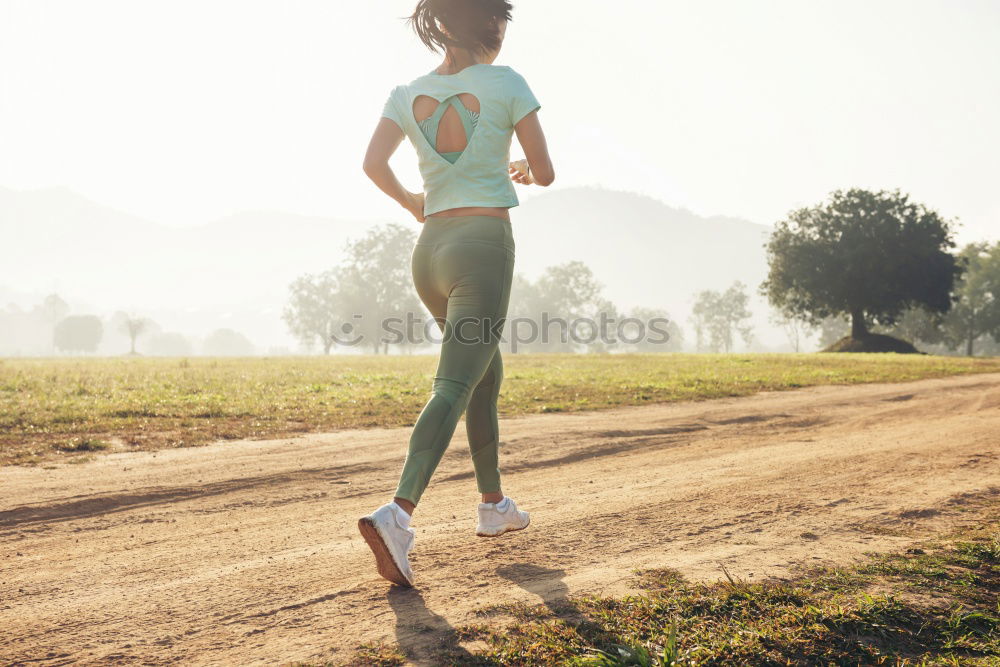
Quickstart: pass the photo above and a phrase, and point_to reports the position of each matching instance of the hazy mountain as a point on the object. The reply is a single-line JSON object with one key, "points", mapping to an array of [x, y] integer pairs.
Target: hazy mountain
{"points": [[234, 272], [56, 239], [645, 252]]}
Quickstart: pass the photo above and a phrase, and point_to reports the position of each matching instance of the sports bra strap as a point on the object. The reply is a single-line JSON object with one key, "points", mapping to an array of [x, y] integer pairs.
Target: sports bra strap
{"points": [[435, 119]]}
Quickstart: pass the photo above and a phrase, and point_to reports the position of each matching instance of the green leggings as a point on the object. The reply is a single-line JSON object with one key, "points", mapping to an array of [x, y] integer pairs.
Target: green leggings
{"points": [[462, 269]]}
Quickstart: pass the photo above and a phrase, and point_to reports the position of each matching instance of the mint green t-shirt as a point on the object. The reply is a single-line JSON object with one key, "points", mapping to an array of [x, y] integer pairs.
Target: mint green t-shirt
{"points": [[476, 176]]}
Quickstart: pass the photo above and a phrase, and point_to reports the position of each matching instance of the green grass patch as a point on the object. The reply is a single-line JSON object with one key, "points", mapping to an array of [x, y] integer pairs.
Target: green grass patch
{"points": [[151, 403]]}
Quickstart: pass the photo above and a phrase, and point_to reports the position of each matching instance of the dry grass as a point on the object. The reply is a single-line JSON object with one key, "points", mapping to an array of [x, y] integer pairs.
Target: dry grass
{"points": [[53, 408]]}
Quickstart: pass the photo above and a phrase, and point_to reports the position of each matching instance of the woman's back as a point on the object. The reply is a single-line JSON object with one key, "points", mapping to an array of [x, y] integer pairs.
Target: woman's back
{"points": [[495, 98]]}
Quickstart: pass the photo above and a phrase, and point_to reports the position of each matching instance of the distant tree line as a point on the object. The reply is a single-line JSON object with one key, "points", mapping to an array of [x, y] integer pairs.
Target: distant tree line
{"points": [[869, 271], [562, 311], [866, 270], [565, 310], [50, 328]]}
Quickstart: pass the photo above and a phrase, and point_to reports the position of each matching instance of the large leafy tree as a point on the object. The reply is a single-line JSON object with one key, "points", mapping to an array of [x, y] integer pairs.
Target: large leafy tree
{"points": [[868, 255]]}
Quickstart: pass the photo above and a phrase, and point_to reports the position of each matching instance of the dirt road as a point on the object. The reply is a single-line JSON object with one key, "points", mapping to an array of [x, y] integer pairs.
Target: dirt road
{"points": [[248, 553]]}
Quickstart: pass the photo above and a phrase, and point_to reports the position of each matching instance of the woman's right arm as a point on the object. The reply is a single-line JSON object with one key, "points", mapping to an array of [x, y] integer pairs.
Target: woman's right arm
{"points": [[532, 140], [384, 142]]}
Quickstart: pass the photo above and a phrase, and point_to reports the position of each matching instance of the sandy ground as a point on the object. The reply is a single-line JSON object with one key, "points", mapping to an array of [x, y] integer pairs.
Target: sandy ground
{"points": [[248, 552]]}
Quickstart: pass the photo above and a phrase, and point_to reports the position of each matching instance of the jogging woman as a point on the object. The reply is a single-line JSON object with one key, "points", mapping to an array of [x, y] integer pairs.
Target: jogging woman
{"points": [[460, 118]]}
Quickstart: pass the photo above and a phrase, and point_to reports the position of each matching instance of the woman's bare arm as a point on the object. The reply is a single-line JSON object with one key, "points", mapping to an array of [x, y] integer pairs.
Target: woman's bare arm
{"points": [[384, 142], [536, 151]]}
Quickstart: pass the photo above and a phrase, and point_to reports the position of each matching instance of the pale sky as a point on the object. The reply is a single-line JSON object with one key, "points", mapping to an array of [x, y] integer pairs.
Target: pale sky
{"points": [[183, 111]]}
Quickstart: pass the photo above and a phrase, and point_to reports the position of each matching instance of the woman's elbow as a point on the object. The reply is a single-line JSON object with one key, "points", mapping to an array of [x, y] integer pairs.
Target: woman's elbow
{"points": [[545, 177], [372, 166]]}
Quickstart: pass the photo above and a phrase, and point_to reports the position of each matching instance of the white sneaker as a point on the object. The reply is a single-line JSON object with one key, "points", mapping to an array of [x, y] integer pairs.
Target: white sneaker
{"points": [[493, 522], [390, 542]]}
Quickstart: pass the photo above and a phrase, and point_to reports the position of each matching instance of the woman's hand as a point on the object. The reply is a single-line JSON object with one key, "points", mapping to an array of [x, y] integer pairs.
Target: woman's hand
{"points": [[532, 141], [520, 173], [414, 203]]}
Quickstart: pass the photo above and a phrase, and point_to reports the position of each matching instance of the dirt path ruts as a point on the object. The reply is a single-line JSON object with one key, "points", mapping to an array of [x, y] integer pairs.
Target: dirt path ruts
{"points": [[248, 553]]}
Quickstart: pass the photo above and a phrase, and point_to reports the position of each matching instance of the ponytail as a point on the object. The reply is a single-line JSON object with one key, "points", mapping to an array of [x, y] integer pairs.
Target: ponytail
{"points": [[472, 23]]}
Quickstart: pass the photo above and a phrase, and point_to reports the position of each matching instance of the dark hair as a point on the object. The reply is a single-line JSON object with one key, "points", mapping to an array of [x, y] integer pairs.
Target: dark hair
{"points": [[472, 23]]}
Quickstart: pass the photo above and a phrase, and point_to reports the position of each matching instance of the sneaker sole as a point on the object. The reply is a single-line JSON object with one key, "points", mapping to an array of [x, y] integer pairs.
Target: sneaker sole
{"points": [[506, 530], [384, 562]]}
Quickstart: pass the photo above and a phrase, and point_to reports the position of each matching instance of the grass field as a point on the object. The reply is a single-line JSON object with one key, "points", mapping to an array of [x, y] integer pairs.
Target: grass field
{"points": [[67, 408], [935, 605]]}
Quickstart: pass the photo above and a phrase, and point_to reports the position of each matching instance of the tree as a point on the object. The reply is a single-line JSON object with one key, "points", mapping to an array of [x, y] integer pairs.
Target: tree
{"points": [[558, 312], [312, 311], [53, 308], [570, 293], [522, 330], [974, 318], [795, 328], [359, 299], [569, 290], [78, 333], [869, 255], [227, 343], [832, 329], [659, 332], [916, 324], [976, 311], [718, 317], [133, 327], [170, 344], [376, 282]]}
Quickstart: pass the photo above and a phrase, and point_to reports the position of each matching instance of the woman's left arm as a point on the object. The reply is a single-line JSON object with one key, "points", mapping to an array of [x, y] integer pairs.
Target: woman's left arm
{"points": [[384, 142]]}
